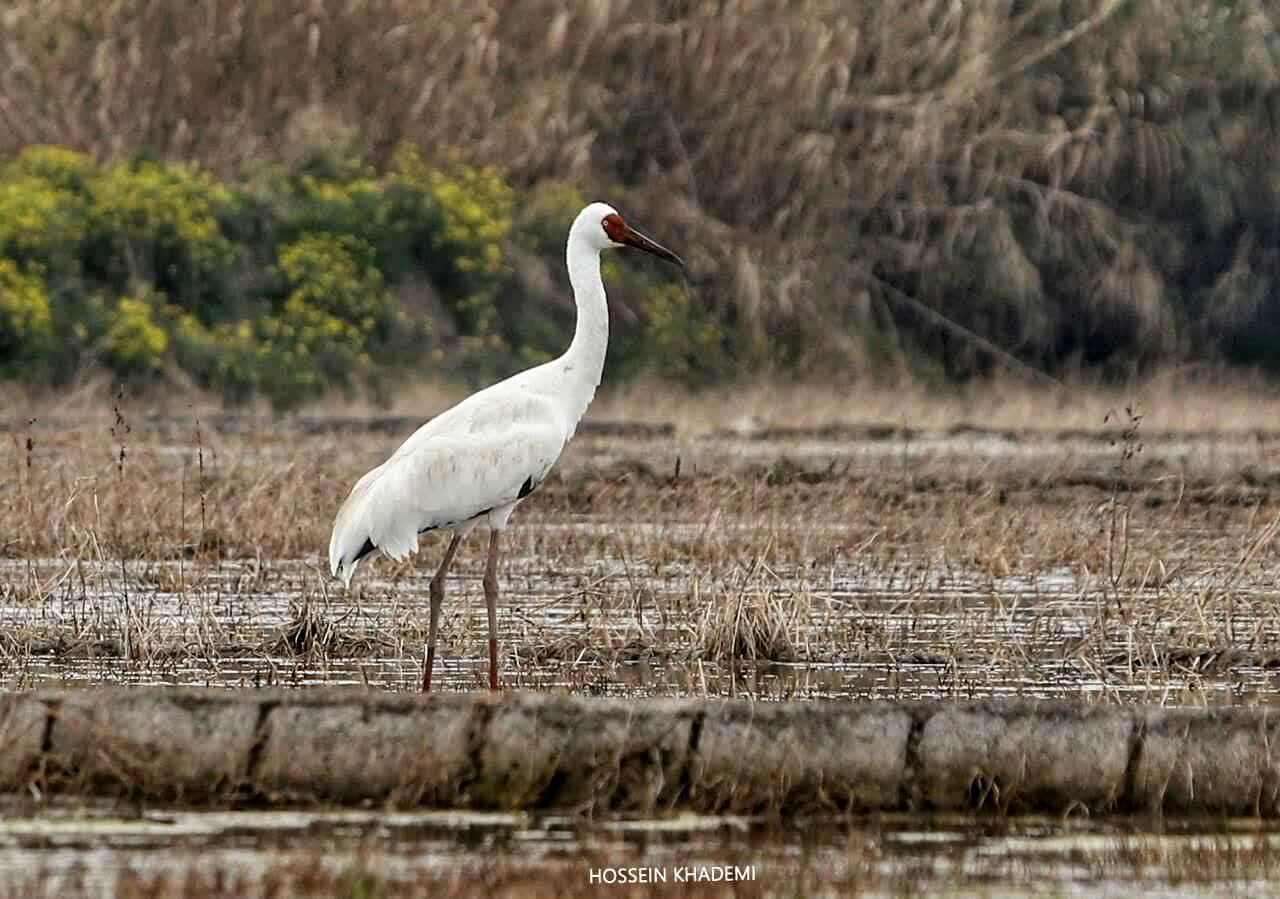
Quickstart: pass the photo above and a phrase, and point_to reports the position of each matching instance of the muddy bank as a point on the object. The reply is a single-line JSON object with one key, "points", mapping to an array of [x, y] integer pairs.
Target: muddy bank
{"points": [[527, 751]]}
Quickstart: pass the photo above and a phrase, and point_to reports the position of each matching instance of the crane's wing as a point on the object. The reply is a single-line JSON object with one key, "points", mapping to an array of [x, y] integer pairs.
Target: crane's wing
{"points": [[442, 481]]}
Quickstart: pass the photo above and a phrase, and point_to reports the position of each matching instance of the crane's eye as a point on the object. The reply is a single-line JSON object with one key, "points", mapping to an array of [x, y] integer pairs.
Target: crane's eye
{"points": [[614, 227]]}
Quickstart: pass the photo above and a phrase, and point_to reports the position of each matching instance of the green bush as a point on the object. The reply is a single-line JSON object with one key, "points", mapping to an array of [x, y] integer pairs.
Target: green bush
{"points": [[227, 358], [320, 197], [287, 284], [337, 315], [64, 169], [135, 345], [336, 277], [161, 223], [676, 340], [536, 318], [457, 221], [475, 205], [40, 221], [544, 215], [469, 212], [26, 322]]}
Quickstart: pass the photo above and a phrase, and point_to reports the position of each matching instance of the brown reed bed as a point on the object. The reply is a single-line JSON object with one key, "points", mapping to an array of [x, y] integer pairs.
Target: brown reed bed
{"points": [[871, 558]]}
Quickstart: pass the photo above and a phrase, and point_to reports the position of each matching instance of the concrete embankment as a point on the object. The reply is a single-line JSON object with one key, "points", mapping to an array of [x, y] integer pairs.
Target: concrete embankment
{"points": [[528, 751]]}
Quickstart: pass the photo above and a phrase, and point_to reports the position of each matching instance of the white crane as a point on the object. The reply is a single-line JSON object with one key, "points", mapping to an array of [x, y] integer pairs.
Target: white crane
{"points": [[474, 462]]}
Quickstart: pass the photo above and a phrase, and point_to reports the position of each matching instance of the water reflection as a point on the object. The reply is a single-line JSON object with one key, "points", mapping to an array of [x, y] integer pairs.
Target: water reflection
{"points": [[95, 845]]}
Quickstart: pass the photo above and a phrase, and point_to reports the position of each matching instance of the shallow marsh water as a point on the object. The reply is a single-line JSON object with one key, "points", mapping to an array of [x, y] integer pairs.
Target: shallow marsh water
{"points": [[903, 572], [851, 629], [95, 850]]}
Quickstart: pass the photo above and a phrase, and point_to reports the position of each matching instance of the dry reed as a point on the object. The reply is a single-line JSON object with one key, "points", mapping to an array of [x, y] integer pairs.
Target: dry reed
{"points": [[842, 175], [948, 561]]}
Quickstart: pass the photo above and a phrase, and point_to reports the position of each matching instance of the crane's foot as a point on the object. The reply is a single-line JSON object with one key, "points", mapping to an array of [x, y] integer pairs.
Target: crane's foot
{"points": [[493, 666]]}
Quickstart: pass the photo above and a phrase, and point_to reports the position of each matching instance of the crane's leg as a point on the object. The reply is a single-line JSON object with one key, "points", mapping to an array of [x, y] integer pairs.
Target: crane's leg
{"points": [[491, 601], [437, 600]]}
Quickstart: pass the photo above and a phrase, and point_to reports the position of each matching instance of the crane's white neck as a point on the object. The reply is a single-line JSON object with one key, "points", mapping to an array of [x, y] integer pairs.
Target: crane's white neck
{"points": [[584, 360]]}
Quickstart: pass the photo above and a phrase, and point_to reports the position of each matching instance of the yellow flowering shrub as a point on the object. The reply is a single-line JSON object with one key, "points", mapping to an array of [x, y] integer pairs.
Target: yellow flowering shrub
{"points": [[162, 222], [462, 215], [337, 310], [353, 205], [39, 220], [301, 277], [475, 206], [345, 198], [26, 321], [63, 168], [335, 275], [135, 344]]}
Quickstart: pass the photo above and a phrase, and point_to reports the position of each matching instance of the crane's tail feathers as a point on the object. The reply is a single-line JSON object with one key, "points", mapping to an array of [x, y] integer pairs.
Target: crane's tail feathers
{"points": [[343, 565], [363, 529], [344, 555], [347, 571]]}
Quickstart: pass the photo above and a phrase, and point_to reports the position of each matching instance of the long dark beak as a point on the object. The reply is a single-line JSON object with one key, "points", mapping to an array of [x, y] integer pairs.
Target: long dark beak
{"points": [[634, 238]]}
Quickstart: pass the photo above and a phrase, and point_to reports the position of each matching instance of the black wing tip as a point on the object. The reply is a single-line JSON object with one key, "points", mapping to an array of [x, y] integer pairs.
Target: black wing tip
{"points": [[527, 487], [364, 551]]}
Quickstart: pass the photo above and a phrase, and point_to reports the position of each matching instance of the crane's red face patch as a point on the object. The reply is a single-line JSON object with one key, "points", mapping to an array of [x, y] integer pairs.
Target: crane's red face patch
{"points": [[615, 228]]}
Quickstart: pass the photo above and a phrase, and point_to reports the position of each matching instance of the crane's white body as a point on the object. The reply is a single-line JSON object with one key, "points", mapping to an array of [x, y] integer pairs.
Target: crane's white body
{"points": [[477, 460]]}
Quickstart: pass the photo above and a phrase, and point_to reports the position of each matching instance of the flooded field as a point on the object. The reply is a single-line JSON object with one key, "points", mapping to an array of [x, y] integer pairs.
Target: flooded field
{"points": [[1123, 564], [109, 851], [946, 566], [767, 630]]}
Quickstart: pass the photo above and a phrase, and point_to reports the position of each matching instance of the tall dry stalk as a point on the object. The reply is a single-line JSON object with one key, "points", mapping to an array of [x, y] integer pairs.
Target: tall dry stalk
{"points": [[832, 168]]}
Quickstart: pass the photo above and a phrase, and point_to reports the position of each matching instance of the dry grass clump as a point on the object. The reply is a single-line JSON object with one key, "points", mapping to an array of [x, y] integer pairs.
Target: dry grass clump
{"points": [[311, 632], [754, 616]]}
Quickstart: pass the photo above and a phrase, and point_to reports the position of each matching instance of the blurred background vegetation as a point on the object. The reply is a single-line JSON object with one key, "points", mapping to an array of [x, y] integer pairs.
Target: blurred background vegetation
{"points": [[280, 199]]}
